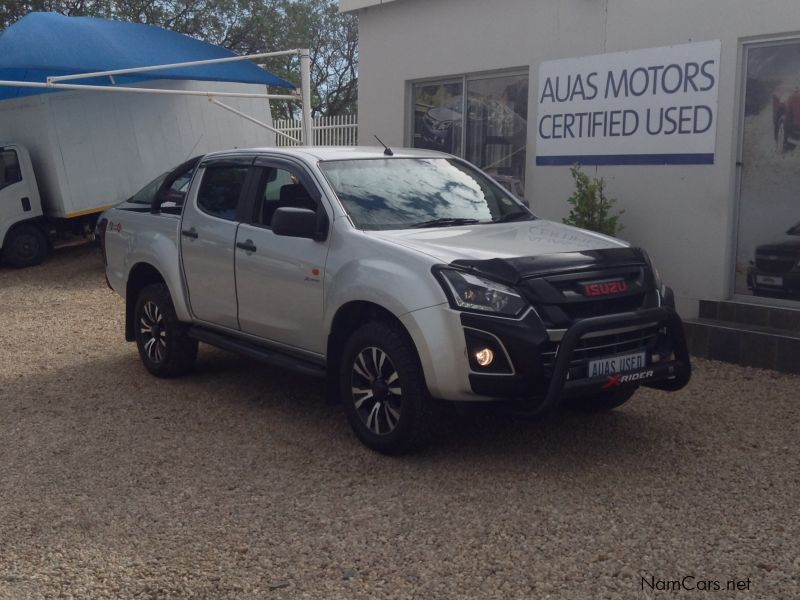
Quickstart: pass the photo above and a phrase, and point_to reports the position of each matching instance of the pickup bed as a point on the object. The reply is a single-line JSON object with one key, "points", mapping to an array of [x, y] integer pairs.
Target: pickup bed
{"points": [[404, 277]]}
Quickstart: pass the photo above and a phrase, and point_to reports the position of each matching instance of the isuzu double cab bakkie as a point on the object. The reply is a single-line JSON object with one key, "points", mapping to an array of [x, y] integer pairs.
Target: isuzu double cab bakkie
{"points": [[405, 277]]}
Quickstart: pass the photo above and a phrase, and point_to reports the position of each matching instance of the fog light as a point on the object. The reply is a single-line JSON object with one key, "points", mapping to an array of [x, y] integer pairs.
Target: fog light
{"points": [[484, 357]]}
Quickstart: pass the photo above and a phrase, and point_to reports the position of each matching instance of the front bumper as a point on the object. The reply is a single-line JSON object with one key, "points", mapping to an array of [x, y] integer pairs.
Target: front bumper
{"points": [[541, 371]]}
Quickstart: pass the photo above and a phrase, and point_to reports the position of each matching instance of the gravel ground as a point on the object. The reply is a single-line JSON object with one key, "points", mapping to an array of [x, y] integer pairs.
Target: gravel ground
{"points": [[239, 481]]}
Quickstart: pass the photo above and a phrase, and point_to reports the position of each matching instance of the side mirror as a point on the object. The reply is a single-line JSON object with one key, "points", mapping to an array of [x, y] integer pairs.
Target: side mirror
{"points": [[295, 222]]}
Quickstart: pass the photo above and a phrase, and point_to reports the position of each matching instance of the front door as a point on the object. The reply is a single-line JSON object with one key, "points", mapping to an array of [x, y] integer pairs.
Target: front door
{"points": [[17, 202], [280, 280], [208, 238]]}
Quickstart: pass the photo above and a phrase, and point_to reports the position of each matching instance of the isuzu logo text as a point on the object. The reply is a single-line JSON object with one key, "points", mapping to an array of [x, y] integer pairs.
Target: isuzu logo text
{"points": [[606, 288]]}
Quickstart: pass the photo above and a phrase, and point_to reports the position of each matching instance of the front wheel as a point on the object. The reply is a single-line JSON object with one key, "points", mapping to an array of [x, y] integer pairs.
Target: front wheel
{"points": [[383, 389], [602, 401], [25, 246], [164, 346]]}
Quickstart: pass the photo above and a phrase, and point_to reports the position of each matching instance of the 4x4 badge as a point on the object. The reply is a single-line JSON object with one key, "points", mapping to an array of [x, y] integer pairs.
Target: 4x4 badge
{"points": [[314, 277]]}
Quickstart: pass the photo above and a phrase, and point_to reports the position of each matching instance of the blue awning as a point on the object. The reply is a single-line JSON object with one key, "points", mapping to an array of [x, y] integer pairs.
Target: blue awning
{"points": [[47, 44]]}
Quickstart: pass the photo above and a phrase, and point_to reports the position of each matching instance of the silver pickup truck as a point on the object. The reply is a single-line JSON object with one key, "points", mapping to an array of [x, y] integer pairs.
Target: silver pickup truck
{"points": [[405, 277]]}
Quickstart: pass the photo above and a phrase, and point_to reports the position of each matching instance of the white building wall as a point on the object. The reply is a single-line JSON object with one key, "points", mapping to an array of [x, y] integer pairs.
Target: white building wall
{"points": [[684, 215]]}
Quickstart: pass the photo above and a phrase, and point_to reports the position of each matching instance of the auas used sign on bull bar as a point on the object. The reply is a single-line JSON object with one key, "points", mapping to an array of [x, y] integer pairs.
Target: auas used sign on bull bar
{"points": [[653, 106]]}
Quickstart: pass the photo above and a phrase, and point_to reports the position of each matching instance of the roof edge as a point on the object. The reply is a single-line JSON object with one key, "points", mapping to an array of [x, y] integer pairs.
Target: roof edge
{"points": [[353, 5]]}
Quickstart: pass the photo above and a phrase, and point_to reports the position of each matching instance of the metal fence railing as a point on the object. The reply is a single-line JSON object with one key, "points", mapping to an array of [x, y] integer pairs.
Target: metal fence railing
{"points": [[337, 130]]}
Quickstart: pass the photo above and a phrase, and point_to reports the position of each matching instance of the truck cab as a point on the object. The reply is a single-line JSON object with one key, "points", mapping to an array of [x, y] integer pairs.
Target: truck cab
{"points": [[23, 241]]}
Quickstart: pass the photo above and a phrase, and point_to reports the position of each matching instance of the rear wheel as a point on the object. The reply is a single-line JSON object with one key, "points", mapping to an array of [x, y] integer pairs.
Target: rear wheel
{"points": [[25, 246], [164, 346], [383, 389], [602, 401]]}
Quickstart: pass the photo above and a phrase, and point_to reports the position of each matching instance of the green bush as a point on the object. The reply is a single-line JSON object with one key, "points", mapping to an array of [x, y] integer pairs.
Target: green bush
{"points": [[591, 207]]}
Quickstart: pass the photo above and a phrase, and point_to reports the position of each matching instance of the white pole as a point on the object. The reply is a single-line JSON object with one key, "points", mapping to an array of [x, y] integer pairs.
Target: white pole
{"points": [[305, 91], [140, 90], [251, 119], [193, 63]]}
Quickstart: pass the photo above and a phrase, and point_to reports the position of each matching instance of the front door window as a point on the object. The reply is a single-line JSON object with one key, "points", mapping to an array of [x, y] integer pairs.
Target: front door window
{"points": [[10, 172]]}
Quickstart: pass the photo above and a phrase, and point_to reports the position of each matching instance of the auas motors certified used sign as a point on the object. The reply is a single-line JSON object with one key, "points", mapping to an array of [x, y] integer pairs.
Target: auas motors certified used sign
{"points": [[645, 107]]}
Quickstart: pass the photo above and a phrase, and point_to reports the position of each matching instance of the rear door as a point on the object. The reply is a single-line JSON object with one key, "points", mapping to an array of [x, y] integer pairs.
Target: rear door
{"points": [[280, 280], [208, 238]]}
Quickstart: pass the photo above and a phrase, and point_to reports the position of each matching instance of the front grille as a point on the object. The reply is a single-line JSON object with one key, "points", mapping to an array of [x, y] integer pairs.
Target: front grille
{"points": [[777, 264], [601, 345], [598, 308], [560, 299]]}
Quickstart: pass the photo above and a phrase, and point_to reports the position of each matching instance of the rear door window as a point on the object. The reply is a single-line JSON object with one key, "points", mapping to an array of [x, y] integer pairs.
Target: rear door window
{"points": [[221, 190], [10, 172]]}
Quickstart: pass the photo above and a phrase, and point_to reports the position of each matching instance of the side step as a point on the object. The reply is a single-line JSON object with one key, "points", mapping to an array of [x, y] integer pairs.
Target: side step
{"points": [[260, 353], [746, 334]]}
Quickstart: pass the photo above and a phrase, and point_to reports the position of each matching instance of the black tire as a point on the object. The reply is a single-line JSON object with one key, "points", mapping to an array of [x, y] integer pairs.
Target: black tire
{"points": [[395, 413], [602, 401], [25, 246], [173, 352]]}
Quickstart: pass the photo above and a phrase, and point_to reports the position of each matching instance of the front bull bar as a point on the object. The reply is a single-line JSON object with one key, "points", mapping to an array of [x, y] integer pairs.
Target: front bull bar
{"points": [[667, 375]]}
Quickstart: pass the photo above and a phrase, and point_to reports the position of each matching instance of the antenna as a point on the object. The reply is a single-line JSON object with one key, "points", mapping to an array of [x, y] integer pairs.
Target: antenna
{"points": [[388, 151]]}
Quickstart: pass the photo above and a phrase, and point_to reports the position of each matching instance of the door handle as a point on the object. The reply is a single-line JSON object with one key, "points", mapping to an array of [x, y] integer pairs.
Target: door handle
{"points": [[247, 246], [190, 233]]}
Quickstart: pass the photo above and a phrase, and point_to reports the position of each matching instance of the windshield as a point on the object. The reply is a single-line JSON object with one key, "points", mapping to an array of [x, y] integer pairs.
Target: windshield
{"points": [[400, 193]]}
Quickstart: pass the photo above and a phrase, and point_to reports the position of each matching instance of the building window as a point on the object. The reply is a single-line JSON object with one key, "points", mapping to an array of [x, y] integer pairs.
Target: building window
{"points": [[438, 109], [488, 126], [768, 249]]}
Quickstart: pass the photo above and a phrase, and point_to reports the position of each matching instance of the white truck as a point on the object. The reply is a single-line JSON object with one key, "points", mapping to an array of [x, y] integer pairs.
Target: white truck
{"points": [[65, 157]]}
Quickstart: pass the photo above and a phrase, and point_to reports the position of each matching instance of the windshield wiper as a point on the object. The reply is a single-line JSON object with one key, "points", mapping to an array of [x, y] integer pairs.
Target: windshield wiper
{"points": [[513, 216], [444, 222]]}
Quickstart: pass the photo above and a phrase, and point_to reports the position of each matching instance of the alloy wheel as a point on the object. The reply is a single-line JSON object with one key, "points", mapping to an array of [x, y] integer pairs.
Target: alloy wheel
{"points": [[151, 327], [376, 390]]}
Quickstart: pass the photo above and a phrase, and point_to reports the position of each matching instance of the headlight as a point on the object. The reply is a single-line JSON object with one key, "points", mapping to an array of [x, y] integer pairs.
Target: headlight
{"points": [[470, 292]]}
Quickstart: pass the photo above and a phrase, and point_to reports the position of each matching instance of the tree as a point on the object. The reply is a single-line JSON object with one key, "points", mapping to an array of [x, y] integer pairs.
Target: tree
{"points": [[591, 207], [246, 27]]}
